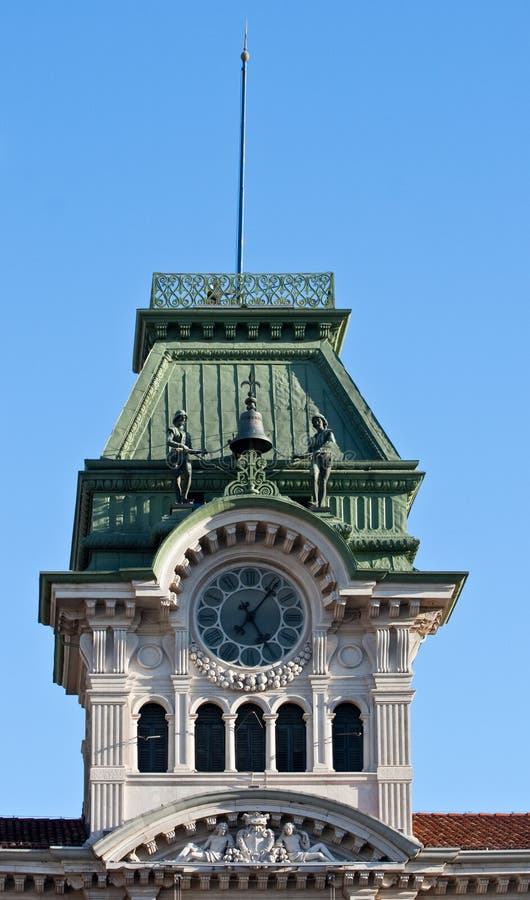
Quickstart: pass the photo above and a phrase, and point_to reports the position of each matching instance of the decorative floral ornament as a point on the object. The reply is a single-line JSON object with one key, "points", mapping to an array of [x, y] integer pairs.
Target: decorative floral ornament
{"points": [[275, 677]]}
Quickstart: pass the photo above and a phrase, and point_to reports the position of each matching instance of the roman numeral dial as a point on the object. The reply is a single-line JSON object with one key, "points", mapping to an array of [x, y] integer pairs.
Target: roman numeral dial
{"points": [[250, 616]]}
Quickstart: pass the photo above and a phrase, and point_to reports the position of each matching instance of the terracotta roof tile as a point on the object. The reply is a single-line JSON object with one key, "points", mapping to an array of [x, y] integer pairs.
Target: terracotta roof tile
{"points": [[469, 831], [473, 831], [41, 833]]}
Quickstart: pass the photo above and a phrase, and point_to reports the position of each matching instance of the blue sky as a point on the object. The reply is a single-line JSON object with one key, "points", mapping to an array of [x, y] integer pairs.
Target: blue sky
{"points": [[388, 142]]}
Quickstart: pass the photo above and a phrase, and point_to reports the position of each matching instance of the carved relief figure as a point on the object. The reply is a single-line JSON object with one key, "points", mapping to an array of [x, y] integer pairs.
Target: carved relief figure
{"points": [[212, 850], [255, 843], [320, 449], [178, 451], [298, 847]]}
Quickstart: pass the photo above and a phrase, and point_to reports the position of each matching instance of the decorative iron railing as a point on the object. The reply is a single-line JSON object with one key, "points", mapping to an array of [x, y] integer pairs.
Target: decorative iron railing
{"points": [[299, 289]]}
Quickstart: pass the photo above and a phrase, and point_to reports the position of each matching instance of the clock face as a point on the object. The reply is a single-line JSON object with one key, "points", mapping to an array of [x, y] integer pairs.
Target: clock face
{"points": [[250, 616]]}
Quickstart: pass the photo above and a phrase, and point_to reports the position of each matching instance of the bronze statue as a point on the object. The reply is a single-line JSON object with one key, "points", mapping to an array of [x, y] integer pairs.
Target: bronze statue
{"points": [[178, 453], [320, 450]]}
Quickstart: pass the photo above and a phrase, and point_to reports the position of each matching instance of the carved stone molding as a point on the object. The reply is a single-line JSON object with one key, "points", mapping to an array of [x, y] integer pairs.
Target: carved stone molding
{"points": [[428, 622], [254, 353], [258, 839], [250, 681], [268, 535], [139, 877], [107, 773]]}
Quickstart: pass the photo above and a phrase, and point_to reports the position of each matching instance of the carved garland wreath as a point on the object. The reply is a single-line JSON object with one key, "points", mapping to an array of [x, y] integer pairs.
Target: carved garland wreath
{"points": [[275, 677]]}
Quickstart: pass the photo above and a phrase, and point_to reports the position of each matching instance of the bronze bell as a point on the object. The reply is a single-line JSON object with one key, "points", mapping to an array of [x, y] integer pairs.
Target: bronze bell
{"points": [[250, 434]]}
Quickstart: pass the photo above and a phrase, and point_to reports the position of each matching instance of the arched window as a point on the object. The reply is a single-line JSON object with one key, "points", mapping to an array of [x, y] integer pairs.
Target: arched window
{"points": [[290, 739], [152, 739], [250, 739], [209, 739], [347, 739]]}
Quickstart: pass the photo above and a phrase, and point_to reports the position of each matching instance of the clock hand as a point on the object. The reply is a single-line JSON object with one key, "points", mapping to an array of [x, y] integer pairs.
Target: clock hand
{"points": [[270, 590], [240, 629], [250, 613], [263, 638]]}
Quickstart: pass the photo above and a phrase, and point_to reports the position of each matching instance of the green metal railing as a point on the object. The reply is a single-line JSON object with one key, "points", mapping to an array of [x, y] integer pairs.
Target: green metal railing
{"points": [[310, 290]]}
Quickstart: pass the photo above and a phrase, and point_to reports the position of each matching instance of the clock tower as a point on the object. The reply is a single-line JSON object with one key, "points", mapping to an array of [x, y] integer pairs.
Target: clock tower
{"points": [[242, 610]]}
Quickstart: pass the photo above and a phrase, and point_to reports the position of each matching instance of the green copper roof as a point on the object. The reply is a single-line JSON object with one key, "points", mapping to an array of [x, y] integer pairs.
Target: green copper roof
{"points": [[194, 347], [297, 380], [200, 338]]}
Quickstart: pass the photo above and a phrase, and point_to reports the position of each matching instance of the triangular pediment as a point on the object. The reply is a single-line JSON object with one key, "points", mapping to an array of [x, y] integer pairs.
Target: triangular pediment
{"points": [[331, 832]]}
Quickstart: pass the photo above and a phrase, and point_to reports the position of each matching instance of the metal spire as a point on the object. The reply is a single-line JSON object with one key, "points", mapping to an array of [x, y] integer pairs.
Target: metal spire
{"points": [[245, 56]]}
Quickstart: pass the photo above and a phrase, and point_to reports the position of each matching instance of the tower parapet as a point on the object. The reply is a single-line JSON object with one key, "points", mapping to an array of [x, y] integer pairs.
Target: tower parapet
{"points": [[297, 290]]}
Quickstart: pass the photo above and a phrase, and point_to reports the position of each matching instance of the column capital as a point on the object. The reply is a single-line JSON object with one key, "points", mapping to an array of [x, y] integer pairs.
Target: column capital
{"points": [[392, 686], [181, 683], [319, 682]]}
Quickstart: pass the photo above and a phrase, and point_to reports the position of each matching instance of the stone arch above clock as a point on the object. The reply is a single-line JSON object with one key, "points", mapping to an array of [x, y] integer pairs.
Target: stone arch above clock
{"points": [[244, 526], [258, 637]]}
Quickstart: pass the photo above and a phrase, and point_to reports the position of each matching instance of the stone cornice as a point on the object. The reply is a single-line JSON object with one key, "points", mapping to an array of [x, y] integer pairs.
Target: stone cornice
{"points": [[80, 874], [287, 477], [225, 329], [130, 476]]}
